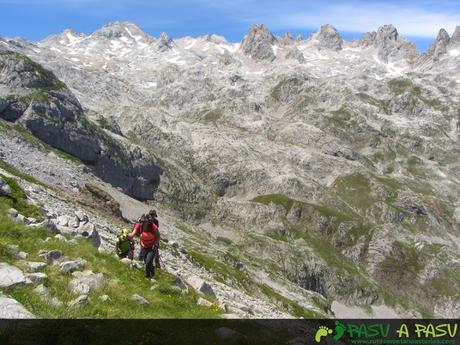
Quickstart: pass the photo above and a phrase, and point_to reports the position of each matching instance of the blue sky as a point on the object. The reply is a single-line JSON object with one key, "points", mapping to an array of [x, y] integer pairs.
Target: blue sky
{"points": [[418, 20]]}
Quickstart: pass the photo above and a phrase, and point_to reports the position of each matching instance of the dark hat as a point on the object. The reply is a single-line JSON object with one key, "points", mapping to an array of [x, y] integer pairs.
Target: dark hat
{"points": [[144, 218], [153, 213]]}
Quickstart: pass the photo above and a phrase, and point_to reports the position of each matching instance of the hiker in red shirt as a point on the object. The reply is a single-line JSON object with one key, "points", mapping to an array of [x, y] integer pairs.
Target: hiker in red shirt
{"points": [[149, 240], [153, 218]]}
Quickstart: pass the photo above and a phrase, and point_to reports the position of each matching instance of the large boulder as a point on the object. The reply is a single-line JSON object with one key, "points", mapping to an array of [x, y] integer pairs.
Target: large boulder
{"points": [[201, 286], [71, 266], [12, 309], [10, 276]]}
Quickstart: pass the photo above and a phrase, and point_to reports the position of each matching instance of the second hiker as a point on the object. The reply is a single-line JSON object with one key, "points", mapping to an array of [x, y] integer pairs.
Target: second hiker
{"points": [[124, 246], [149, 241]]}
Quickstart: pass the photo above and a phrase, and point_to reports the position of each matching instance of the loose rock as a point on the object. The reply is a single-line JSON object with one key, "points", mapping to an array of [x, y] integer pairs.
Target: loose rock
{"points": [[201, 286], [203, 302], [48, 225], [104, 298], [12, 212], [22, 219], [37, 277], [32, 266], [79, 302], [139, 299], [181, 284], [71, 266], [12, 248], [60, 237], [82, 217], [52, 255], [86, 281], [22, 255], [46, 296], [4, 188]]}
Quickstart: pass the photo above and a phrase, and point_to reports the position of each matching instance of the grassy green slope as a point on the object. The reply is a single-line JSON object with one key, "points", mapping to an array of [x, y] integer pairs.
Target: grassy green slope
{"points": [[121, 282]]}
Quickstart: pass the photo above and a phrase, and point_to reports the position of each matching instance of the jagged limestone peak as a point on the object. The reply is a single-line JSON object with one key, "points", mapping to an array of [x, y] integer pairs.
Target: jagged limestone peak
{"points": [[329, 37], [258, 43]]}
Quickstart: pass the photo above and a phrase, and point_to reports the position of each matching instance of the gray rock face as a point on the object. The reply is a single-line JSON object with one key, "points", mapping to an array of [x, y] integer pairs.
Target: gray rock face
{"points": [[12, 309], [258, 43], [295, 54], [329, 37], [439, 46], [389, 44], [65, 36], [455, 39], [139, 299], [18, 71], [10, 276], [287, 39], [117, 29], [86, 281], [53, 114]]}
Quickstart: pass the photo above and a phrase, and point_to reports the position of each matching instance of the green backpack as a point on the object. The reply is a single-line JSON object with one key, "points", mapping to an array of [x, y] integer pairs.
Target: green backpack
{"points": [[123, 241]]}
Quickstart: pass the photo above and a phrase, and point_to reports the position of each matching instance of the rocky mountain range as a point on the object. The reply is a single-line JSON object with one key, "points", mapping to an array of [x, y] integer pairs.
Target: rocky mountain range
{"points": [[314, 172]]}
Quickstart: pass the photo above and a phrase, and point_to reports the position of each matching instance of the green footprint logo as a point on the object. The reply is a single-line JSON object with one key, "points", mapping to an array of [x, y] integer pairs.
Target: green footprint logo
{"points": [[322, 331], [339, 330]]}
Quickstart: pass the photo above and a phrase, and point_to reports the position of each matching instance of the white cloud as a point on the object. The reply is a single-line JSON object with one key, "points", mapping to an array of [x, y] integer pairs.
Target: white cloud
{"points": [[409, 21]]}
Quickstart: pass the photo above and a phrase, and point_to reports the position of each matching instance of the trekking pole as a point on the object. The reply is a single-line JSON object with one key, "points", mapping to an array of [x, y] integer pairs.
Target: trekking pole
{"points": [[132, 256]]}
